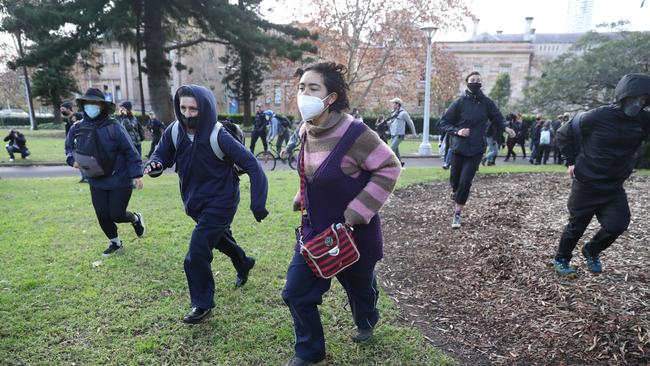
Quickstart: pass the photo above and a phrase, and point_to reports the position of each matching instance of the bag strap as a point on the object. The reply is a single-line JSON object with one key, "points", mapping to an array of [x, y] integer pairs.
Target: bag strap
{"points": [[214, 142], [575, 126]]}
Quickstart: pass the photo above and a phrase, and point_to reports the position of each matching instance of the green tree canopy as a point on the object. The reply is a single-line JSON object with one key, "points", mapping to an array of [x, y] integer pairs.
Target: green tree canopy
{"points": [[500, 92], [586, 75]]}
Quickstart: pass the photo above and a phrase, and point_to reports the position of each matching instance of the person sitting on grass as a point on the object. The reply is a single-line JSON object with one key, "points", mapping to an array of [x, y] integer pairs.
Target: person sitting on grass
{"points": [[209, 189], [17, 143]]}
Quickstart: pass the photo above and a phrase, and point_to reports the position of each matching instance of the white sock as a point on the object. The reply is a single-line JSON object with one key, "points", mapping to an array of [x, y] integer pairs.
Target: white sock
{"points": [[116, 241]]}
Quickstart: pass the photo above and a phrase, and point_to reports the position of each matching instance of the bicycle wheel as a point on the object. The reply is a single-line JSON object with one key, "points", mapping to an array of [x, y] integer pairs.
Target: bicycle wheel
{"points": [[266, 159], [292, 161]]}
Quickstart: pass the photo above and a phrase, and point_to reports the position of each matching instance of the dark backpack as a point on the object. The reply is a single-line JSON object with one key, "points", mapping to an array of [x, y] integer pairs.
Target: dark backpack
{"points": [[284, 121], [92, 157], [231, 128]]}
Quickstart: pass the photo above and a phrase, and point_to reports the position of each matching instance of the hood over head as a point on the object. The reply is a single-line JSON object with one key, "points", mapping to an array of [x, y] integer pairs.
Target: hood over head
{"points": [[207, 109], [632, 85]]}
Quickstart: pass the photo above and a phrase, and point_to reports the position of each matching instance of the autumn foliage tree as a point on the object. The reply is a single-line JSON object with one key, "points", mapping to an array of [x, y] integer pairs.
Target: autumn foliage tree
{"points": [[383, 48]]}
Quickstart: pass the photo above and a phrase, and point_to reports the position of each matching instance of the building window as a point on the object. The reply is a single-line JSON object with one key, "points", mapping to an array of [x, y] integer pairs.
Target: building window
{"points": [[278, 95], [103, 59], [116, 59], [504, 68], [118, 93], [211, 54]]}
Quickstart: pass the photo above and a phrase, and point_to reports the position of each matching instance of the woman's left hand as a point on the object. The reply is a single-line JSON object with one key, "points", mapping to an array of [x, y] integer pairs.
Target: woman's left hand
{"points": [[511, 132], [138, 183]]}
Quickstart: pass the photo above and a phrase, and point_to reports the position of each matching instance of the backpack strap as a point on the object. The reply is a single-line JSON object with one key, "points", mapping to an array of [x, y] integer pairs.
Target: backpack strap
{"points": [[575, 127], [214, 142], [175, 134]]}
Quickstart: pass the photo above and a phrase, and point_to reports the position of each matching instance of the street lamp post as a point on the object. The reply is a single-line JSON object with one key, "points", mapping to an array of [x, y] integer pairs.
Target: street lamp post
{"points": [[425, 147]]}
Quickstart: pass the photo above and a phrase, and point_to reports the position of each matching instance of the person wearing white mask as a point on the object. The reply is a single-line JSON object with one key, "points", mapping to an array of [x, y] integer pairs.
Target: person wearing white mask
{"points": [[349, 173]]}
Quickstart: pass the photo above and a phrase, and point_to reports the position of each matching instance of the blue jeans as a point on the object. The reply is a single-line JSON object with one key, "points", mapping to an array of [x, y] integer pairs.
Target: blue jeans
{"points": [[492, 149], [394, 144], [303, 292]]}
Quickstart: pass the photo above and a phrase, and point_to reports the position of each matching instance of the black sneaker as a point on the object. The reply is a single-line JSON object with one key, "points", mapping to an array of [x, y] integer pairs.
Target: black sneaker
{"points": [[138, 226], [243, 278], [112, 249], [297, 361], [362, 335]]}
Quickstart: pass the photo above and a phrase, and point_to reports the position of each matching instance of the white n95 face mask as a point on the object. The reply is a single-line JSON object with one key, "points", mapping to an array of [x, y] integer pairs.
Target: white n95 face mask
{"points": [[310, 107]]}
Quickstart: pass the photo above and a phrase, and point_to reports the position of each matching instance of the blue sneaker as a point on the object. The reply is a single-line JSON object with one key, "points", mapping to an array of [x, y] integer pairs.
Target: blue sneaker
{"points": [[593, 261], [563, 268]]}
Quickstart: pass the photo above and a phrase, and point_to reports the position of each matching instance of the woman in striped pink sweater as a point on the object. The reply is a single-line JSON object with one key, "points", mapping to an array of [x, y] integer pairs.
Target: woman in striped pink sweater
{"points": [[350, 173]]}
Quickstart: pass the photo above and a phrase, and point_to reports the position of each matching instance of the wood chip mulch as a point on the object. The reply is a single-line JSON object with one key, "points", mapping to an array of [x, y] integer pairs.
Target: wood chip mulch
{"points": [[484, 293]]}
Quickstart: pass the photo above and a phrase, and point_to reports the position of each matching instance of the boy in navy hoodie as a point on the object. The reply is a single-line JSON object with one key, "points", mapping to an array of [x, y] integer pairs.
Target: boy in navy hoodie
{"points": [[209, 189]]}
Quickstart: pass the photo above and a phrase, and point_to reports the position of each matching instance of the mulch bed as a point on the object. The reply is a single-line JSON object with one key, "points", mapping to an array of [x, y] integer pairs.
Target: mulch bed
{"points": [[485, 294]]}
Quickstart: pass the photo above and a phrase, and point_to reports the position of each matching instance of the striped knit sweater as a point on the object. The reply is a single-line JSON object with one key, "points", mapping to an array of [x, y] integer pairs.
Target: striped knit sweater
{"points": [[368, 153]]}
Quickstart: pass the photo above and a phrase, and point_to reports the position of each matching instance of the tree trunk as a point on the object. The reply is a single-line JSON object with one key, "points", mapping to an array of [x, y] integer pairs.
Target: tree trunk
{"points": [[245, 58], [156, 61], [56, 102]]}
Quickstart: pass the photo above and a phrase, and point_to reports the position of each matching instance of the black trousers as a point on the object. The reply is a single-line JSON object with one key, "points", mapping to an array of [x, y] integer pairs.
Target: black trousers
{"points": [[110, 208], [463, 170], [611, 210], [262, 135], [510, 144], [154, 142], [522, 143], [543, 152]]}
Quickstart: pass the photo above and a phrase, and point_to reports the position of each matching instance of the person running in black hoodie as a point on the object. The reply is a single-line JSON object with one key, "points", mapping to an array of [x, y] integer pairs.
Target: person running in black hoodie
{"points": [[599, 146], [209, 189], [466, 120]]}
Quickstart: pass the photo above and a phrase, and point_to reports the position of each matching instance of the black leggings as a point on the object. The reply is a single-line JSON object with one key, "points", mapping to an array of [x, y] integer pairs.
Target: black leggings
{"points": [[110, 208], [463, 169]]}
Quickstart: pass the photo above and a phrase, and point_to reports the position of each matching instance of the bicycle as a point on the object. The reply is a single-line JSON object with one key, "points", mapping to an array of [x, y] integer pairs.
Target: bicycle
{"points": [[268, 159]]}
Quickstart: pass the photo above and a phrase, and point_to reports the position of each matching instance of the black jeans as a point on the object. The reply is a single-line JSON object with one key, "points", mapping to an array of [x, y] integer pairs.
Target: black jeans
{"points": [[463, 169], [259, 134], [611, 210], [110, 208], [510, 144]]}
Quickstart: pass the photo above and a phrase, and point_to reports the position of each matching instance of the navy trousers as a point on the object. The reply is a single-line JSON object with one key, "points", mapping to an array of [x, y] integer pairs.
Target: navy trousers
{"points": [[303, 292], [210, 232]]}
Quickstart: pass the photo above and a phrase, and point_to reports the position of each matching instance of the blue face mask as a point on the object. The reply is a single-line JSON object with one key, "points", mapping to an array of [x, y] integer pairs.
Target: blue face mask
{"points": [[632, 106], [92, 110]]}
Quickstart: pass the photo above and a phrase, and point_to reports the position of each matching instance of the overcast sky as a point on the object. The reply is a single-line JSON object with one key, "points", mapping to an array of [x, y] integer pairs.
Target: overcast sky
{"points": [[550, 16]]}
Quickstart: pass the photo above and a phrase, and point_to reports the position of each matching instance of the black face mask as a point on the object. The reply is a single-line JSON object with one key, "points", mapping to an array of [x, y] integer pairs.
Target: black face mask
{"points": [[191, 122], [474, 87], [632, 106]]}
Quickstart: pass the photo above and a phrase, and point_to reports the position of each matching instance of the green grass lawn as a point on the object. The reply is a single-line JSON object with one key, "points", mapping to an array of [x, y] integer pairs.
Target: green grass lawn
{"points": [[62, 303]]}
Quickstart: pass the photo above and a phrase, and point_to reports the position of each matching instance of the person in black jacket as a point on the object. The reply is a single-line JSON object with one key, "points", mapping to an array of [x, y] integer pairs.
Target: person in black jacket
{"points": [[599, 146], [17, 143], [156, 128], [259, 128], [66, 111], [466, 120]]}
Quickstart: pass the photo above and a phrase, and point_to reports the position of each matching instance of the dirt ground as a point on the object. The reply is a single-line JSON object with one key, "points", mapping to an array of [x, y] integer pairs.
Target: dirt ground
{"points": [[484, 293]]}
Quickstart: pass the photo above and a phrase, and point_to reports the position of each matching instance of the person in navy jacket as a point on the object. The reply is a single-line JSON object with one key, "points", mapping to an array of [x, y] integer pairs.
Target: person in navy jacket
{"points": [[110, 193], [209, 189]]}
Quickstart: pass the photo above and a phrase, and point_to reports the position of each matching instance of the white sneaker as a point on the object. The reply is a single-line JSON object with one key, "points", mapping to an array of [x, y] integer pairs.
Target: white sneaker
{"points": [[11, 160]]}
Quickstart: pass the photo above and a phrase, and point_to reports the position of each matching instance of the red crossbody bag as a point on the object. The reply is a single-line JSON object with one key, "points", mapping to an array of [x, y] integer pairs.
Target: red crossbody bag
{"points": [[331, 251]]}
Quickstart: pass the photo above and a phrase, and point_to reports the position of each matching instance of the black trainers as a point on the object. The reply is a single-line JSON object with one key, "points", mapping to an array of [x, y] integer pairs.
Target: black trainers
{"points": [[362, 335], [112, 249], [243, 278], [138, 226]]}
